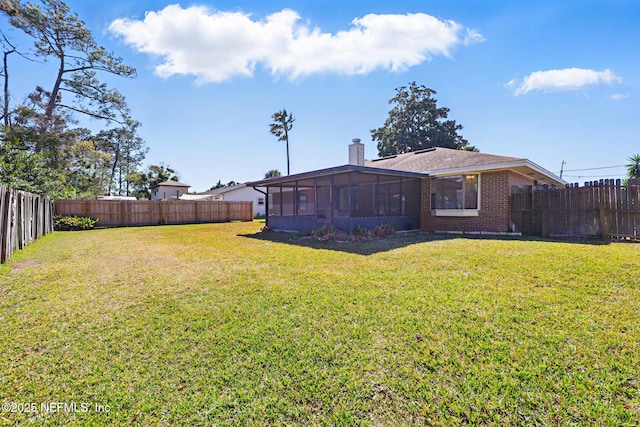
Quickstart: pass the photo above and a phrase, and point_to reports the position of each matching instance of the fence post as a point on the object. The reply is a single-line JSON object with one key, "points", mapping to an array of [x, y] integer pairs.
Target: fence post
{"points": [[18, 220], [49, 216], [13, 231], [545, 213], [6, 224], [603, 206]]}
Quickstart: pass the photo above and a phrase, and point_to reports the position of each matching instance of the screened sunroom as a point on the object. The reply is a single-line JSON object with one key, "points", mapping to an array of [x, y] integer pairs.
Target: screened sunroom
{"points": [[347, 196]]}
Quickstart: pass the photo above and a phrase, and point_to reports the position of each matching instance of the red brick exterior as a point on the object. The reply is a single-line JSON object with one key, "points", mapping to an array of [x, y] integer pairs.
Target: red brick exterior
{"points": [[494, 212]]}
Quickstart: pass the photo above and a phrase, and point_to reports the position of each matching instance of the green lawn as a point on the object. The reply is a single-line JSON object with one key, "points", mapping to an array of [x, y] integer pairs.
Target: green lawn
{"points": [[213, 325]]}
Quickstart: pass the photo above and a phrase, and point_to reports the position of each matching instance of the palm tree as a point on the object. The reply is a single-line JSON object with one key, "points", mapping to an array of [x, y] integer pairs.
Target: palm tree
{"points": [[634, 167], [273, 173], [282, 124]]}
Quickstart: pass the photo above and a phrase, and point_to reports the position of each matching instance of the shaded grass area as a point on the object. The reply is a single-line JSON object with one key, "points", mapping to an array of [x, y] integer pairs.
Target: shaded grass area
{"points": [[200, 325]]}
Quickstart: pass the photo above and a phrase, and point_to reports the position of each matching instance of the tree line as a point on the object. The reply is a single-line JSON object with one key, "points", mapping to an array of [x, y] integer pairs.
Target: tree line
{"points": [[42, 148], [414, 123]]}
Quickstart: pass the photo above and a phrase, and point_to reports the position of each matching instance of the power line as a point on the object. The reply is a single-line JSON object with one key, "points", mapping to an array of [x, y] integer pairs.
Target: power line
{"points": [[593, 169], [594, 176]]}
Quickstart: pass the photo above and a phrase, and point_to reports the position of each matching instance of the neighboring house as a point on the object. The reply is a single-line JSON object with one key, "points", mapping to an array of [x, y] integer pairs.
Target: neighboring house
{"points": [[168, 190], [198, 197], [116, 198], [437, 189], [235, 193]]}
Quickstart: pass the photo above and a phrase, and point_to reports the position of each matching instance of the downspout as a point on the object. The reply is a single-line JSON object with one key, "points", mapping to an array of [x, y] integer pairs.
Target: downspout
{"points": [[266, 205]]}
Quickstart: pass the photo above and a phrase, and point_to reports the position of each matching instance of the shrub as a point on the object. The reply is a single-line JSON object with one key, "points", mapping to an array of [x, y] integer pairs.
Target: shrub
{"points": [[384, 230], [73, 223], [330, 233]]}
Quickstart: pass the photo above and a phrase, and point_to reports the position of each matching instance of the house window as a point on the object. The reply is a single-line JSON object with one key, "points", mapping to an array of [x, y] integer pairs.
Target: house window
{"points": [[455, 193], [302, 201], [261, 201]]}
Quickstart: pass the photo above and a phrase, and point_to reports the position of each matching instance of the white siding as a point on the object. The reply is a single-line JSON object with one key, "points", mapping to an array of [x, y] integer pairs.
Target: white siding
{"points": [[247, 194], [163, 192]]}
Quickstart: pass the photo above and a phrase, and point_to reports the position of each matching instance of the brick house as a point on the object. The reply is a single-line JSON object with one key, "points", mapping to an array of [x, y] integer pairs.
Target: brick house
{"points": [[436, 189]]}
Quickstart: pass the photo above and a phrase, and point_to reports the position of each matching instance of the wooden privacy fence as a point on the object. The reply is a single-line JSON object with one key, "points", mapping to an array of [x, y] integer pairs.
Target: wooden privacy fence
{"points": [[24, 218], [604, 208], [123, 213]]}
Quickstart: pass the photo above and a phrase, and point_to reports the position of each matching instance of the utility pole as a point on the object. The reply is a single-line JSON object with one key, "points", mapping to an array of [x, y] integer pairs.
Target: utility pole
{"points": [[562, 168]]}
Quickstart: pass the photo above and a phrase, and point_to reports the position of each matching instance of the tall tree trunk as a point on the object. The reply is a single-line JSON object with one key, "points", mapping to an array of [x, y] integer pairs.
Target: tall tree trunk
{"points": [[286, 138], [5, 107], [113, 170], [51, 105]]}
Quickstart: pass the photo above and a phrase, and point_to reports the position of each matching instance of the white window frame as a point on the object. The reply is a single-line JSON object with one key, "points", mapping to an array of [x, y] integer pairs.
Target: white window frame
{"points": [[457, 212]]}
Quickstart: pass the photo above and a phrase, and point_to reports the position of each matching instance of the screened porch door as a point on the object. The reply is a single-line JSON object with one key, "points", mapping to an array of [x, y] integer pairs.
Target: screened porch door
{"points": [[324, 211]]}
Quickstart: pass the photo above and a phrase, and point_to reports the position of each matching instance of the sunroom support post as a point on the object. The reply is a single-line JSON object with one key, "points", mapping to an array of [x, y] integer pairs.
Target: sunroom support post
{"points": [[401, 196], [295, 199], [315, 200], [349, 199], [377, 212], [331, 198]]}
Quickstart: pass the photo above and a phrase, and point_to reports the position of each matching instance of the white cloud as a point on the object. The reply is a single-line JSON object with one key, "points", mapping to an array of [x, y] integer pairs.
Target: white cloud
{"points": [[216, 45], [618, 96], [472, 37], [567, 79]]}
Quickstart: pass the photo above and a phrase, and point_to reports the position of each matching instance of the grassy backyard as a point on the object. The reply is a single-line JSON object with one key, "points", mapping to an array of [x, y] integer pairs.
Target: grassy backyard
{"points": [[214, 325]]}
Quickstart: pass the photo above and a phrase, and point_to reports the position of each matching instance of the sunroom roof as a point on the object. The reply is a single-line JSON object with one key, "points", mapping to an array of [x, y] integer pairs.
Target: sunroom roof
{"points": [[334, 171]]}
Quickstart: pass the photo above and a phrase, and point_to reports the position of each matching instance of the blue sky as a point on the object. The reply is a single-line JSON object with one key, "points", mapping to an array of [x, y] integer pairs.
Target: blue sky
{"points": [[550, 81]]}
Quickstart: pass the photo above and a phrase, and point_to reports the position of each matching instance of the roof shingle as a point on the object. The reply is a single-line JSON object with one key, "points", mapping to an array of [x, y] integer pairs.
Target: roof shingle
{"points": [[433, 159]]}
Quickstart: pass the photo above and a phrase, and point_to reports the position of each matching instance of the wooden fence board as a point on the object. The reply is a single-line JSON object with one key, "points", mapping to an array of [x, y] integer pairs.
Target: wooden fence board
{"points": [[24, 218], [605, 209], [123, 213]]}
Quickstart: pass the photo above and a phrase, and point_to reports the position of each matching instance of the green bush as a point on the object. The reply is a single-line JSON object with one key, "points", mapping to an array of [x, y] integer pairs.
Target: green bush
{"points": [[73, 223]]}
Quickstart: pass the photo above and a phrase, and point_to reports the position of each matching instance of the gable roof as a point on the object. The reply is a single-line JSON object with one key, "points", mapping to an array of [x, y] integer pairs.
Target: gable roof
{"points": [[436, 158], [445, 161], [223, 190], [171, 184]]}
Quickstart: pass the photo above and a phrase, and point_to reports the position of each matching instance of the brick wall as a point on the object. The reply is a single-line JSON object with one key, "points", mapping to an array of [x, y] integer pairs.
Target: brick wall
{"points": [[494, 213]]}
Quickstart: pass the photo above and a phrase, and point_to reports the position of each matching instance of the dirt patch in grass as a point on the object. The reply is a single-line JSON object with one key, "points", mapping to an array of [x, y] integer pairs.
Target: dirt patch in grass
{"points": [[21, 265]]}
